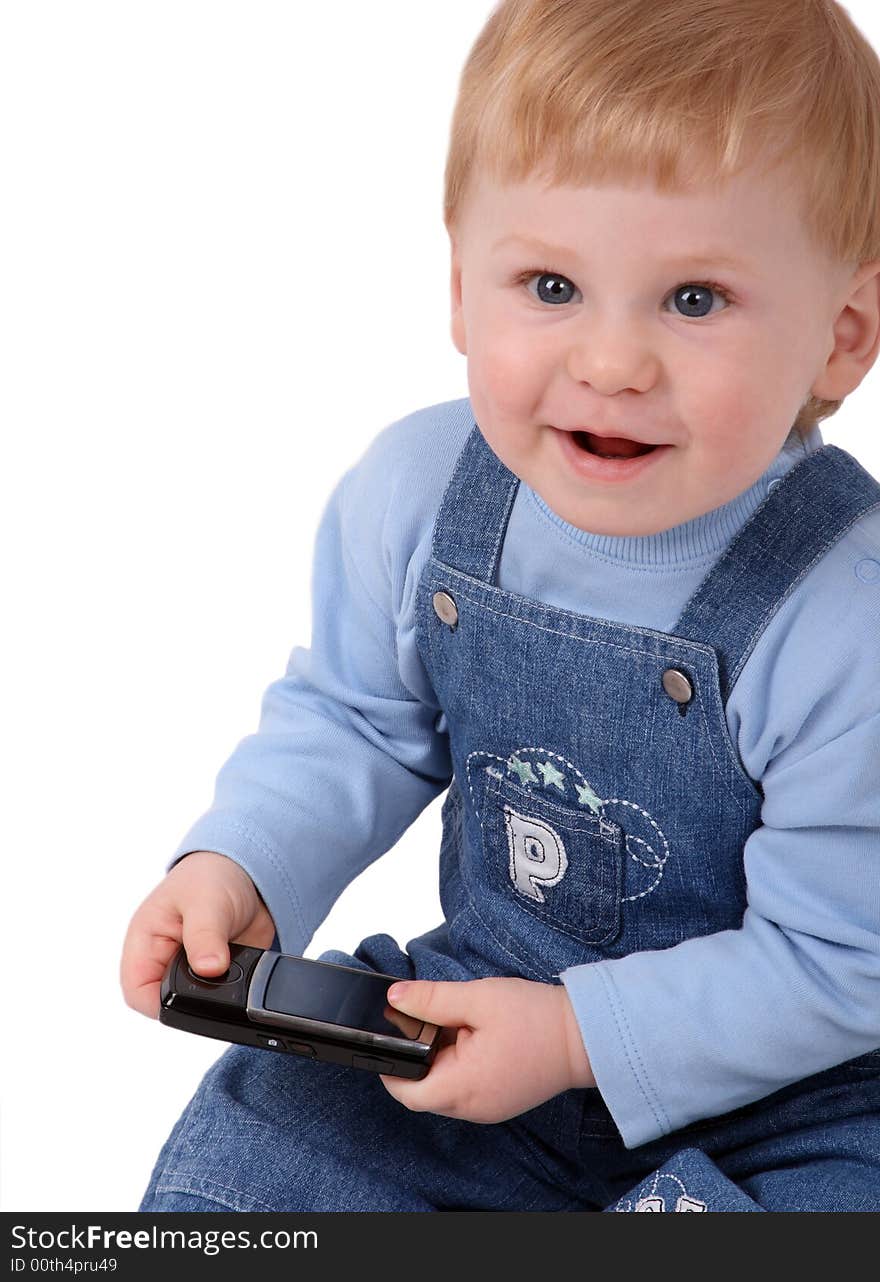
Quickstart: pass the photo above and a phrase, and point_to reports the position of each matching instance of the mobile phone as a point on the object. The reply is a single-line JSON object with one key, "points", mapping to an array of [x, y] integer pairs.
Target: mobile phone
{"points": [[297, 1006]]}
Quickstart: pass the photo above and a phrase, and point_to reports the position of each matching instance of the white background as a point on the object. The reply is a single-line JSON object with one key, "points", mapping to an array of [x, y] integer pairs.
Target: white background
{"points": [[224, 270]]}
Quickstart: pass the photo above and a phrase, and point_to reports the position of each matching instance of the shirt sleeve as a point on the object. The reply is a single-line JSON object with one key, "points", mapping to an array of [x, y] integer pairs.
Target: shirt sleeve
{"points": [[717, 1022], [345, 755]]}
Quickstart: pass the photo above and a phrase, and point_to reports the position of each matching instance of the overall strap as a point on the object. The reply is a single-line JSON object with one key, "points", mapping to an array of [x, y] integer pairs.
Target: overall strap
{"points": [[804, 514], [471, 523], [813, 505]]}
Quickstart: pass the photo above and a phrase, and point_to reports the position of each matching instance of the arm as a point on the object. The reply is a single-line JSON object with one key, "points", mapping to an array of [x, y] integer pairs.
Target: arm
{"points": [[720, 1021]]}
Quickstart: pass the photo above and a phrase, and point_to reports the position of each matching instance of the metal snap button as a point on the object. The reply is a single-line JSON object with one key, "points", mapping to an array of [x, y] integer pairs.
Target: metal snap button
{"points": [[445, 608], [677, 686]]}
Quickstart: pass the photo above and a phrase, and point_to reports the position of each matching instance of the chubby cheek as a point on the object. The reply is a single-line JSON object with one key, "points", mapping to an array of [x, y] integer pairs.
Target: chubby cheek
{"points": [[724, 413], [505, 389]]}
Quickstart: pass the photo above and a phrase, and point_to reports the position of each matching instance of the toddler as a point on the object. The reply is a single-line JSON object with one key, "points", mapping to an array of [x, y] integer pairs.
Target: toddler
{"points": [[624, 604]]}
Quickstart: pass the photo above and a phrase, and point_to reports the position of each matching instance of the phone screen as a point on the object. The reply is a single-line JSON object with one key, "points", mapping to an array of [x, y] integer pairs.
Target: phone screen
{"points": [[314, 990]]}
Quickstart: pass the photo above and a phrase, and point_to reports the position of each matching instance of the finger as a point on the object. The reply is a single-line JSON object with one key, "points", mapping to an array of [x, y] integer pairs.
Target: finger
{"points": [[445, 1002], [149, 945], [206, 935], [431, 1094]]}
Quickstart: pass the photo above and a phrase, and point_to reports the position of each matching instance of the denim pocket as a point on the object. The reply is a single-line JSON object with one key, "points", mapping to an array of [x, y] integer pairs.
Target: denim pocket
{"points": [[563, 865]]}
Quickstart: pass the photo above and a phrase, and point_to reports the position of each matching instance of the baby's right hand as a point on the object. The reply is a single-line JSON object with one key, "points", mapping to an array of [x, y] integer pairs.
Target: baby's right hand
{"points": [[205, 900]]}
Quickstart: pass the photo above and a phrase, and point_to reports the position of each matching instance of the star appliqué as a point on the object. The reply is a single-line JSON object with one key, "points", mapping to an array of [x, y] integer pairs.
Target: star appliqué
{"points": [[551, 775], [587, 797], [523, 769]]}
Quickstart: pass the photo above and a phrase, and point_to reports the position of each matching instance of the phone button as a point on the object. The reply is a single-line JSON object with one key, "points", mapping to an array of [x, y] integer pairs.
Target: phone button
{"points": [[301, 1048], [374, 1065], [231, 976]]}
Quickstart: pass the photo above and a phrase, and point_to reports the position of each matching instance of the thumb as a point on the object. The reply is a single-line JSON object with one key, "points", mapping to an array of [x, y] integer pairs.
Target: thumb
{"points": [[444, 1002], [205, 939]]}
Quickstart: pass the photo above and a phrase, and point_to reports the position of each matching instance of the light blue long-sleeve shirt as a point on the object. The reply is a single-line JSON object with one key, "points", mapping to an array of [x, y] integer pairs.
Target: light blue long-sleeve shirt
{"points": [[352, 746]]}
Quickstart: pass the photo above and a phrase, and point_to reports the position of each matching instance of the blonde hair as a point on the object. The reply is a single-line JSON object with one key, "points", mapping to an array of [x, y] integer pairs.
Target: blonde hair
{"points": [[589, 91]]}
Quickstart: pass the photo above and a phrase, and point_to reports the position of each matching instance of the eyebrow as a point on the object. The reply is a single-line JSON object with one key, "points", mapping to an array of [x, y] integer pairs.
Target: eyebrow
{"points": [[702, 257]]}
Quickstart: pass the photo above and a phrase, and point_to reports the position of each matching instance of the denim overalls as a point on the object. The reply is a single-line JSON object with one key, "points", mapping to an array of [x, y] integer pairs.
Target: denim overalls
{"points": [[598, 807]]}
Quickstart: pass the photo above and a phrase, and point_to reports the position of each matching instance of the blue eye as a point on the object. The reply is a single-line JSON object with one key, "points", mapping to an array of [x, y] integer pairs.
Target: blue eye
{"points": [[697, 298], [694, 297], [555, 291]]}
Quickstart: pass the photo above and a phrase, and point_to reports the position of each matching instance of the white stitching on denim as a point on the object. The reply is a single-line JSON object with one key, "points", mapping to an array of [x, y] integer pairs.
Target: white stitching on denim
{"points": [[644, 1202], [442, 570], [544, 752], [651, 1194], [493, 756], [660, 861], [666, 1176], [184, 1184], [695, 648], [512, 488], [551, 777], [692, 1203]]}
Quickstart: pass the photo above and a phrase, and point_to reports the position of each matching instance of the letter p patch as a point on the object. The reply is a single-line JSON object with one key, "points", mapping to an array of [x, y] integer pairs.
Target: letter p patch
{"points": [[537, 855]]}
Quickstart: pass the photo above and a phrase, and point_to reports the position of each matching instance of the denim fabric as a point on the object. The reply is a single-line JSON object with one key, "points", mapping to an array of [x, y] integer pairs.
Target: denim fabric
{"points": [[576, 774]]}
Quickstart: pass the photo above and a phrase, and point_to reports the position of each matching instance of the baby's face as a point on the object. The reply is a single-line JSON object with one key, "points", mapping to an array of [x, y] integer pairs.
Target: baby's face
{"points": [[615, 326]]}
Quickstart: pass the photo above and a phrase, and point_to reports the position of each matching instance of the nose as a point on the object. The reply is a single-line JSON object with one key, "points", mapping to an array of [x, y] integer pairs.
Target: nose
{"points": [[612, 355]]}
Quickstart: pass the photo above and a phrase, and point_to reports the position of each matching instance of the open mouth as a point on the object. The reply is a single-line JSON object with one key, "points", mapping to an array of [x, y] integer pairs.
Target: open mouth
{"points": [[612, 447]]}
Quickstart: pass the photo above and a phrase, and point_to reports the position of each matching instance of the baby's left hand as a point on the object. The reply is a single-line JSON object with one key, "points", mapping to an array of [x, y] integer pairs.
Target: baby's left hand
{"points": [[508, 1045]]}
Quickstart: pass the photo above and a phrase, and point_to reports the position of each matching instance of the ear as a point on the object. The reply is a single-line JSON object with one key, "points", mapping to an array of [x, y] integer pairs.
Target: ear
{"points": [[856, 336], [458, 332]]}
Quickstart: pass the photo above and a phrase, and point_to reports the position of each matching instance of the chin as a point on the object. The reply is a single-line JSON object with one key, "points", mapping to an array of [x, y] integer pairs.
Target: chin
{"points": [[620, 525]]}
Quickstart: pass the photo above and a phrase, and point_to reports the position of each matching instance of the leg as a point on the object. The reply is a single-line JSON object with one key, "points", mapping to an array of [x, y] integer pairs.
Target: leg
{"points": [[812, 1147], [271, 1132], [267, 1132], [827, 1168], [822, 1150], [181, 1202], [830, 1167], [690, 1181]]}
